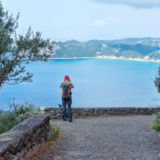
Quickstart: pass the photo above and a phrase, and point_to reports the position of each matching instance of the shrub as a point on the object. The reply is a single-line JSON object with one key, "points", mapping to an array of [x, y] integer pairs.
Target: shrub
{"points": [[22, 117], [22, 109], [8, 119], [156, 122]]}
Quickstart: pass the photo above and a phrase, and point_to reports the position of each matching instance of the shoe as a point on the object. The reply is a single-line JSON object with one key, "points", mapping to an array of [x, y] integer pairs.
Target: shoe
{"points": [[64, 119], [70, 120]]}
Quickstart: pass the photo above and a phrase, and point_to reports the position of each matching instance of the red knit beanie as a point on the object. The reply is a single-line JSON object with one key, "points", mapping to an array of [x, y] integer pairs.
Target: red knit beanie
{"points": [[66, 77]]}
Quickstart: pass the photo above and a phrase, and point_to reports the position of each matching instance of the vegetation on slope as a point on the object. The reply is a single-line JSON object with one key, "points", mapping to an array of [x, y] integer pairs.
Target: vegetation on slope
{"points": [[128, 48], [8, 119]]}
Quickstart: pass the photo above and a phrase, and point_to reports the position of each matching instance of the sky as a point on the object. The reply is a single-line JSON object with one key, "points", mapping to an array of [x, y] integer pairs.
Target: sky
{"points": [[84, 20]]}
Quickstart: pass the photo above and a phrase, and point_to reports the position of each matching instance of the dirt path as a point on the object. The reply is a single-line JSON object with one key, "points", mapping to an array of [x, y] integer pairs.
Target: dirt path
{"points": [[107, 138]]}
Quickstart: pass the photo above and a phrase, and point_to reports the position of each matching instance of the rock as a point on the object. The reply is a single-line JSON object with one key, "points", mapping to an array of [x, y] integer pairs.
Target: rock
{"points": [[21, 139]]}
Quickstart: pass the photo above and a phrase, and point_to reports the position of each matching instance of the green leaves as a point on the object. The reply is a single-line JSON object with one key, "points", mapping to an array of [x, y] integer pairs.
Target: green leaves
{"points": [[156, 122], [8, 119], [15, 48], [157, 81]]}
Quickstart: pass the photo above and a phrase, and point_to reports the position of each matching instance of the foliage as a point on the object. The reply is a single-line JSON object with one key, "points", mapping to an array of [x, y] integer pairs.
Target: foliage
{"points": [[23, 116], [24, 108], [8, 119], [157, 81], [56, 132], [14, 48], [156, 126], [156, 122]]}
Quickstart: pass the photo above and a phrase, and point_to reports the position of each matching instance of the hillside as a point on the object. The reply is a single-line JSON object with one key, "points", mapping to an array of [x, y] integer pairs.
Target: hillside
{"points": [[145, 48]]}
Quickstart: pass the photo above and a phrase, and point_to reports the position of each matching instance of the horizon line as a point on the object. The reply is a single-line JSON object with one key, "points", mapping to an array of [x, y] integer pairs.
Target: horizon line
{"points": [[116, 39]]}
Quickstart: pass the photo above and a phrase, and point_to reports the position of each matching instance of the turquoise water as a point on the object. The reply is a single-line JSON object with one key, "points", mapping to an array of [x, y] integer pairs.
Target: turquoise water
{"points": [[98, 83]]}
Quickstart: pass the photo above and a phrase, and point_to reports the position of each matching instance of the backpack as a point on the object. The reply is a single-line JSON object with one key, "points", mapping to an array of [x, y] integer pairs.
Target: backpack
{"points": [[66, 89]]}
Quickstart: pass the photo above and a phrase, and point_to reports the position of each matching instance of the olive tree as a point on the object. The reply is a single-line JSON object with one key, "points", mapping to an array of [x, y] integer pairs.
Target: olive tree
{"points": [[16, 50]]}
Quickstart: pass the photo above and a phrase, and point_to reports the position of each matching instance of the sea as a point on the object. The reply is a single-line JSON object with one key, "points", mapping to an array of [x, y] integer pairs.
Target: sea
{"points": [[98, 83]]}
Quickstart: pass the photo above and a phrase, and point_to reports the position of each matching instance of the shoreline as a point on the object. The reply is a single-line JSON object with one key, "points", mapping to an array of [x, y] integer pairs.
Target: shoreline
{"points": [[145, 59]]}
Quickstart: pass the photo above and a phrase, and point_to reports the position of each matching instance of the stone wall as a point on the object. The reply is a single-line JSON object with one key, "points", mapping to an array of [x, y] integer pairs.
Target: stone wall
{"points": [[21, 139], [56, 113]]}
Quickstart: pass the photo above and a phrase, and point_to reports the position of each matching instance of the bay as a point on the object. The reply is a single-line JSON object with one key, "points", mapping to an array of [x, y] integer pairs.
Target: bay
{"points": [[98, 83]]}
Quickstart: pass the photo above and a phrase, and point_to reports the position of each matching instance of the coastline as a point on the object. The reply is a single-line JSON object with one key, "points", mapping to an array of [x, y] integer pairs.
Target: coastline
{"points": [[145, 59]]}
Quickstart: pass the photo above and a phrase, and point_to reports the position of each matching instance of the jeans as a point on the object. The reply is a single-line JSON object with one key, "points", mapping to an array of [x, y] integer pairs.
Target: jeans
{"points": [[68, 102]]}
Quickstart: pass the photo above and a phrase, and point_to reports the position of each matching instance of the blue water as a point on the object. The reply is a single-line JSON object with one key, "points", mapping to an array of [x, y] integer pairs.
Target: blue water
{"points": [[98, 83]]}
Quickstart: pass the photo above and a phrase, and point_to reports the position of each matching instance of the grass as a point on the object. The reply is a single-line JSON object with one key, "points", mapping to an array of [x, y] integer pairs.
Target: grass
{"points": [[156, 126], [42, 149], [156, 122], [46, 147], [56, 132]]}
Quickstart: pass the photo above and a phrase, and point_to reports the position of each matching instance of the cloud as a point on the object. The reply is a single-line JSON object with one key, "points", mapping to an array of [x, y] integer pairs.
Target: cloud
{"points": [[99, 23], [148, 4]]}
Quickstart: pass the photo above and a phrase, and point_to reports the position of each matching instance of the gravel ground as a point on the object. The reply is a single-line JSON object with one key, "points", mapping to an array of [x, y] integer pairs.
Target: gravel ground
{"points": [[107, 138]]}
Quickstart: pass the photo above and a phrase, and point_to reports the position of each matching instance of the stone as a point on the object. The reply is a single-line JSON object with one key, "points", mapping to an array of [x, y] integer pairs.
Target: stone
{"points": [[56, 113], [21, 139]]}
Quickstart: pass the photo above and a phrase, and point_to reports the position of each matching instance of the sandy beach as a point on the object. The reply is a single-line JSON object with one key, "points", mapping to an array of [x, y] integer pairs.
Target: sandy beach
{"points": [[145, 59]]}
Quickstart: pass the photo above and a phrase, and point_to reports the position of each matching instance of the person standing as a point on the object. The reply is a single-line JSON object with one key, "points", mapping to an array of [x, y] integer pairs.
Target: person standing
{"points": [[66, 86]]}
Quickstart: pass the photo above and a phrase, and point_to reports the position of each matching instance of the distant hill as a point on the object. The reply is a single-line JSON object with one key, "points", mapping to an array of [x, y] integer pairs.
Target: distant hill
{"points": [[148, 48]]}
